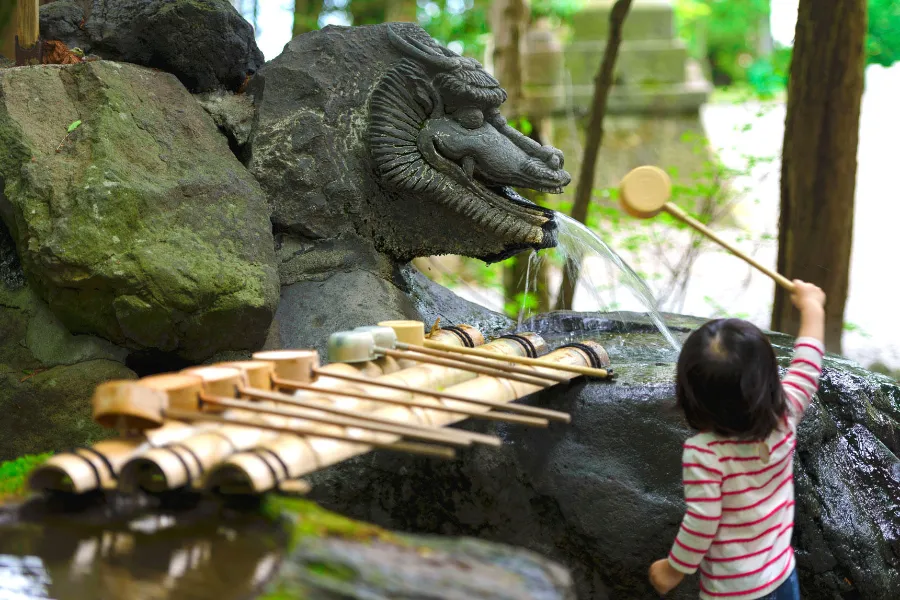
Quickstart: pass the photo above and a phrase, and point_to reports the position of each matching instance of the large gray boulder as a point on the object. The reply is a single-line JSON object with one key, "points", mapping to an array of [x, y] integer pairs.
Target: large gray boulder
{"points": [[603, 494], [140, 226], [205, 43]]}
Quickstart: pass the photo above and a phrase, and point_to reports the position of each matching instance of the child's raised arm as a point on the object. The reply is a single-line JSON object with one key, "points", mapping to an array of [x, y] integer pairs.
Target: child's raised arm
{"points": [[802, 378], [810, 301]]}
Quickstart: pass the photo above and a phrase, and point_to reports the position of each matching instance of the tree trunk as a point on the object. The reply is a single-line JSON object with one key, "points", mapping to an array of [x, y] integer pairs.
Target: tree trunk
{"points": [[818, 172], [28, 48], [603, 83], [306, 16], [509, 19]]}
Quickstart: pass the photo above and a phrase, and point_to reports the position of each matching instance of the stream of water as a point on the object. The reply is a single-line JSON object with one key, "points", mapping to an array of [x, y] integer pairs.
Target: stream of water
{"points": [[577, 242]]}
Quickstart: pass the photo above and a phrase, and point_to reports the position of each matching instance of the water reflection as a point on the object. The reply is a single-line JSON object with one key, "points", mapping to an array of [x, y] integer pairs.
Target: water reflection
{"points": [[23, 577], [153, 557]]}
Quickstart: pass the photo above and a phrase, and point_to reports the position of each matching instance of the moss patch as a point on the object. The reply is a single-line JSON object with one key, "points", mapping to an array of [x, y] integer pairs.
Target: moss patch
{"points": [[14, 474], [309, 520]]}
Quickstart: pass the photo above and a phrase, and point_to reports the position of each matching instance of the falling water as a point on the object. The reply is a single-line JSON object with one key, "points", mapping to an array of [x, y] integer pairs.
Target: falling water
{"points": [[532, 271], [577, 241]]}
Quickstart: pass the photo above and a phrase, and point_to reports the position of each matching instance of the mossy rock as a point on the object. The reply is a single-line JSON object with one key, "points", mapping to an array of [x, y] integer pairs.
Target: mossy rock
{"points": [[47, 377], [140, 226], [332, 556], [50, 410]]}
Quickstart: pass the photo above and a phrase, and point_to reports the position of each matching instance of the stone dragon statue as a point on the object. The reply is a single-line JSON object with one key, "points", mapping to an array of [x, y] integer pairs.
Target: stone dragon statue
{"points": [[436, 132], [376, 145]]}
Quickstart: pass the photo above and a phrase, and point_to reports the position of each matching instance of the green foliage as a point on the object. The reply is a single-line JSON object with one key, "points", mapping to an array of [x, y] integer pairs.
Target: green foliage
{"points": [[469, 27], [854, 328], [726, 34], [558, 11], [14, 474], [883, 39], [445, 22], [523, 301]]}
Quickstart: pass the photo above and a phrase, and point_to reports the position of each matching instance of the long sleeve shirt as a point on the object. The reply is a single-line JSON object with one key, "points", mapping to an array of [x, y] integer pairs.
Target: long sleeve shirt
{"points": [[740, 498]]}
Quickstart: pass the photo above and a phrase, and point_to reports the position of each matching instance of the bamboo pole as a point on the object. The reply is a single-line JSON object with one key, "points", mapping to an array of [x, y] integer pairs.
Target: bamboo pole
{"points": [[413, 403], [100, 466], [315, 416], [493, 371], [494, 363], [413, 448], [279, 398], [537, 362]]}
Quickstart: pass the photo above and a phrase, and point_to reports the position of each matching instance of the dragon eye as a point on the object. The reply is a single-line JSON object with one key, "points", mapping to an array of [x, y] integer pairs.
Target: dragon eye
{"points": [[469, 117]]}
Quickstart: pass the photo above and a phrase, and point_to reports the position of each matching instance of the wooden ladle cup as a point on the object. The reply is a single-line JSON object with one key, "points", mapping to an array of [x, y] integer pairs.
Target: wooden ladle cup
{"points": [[645, 192]]}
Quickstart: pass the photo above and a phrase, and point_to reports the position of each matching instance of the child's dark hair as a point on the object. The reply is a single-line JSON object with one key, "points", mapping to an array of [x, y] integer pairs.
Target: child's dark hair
{"points": [[728, 381]]}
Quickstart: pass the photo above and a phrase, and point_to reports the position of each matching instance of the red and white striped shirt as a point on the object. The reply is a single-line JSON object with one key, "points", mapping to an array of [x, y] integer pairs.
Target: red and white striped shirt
{"points": [[740, 509]]}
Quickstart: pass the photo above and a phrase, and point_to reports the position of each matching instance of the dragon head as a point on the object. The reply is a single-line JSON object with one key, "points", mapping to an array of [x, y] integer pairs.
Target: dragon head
{"points": [[378, 137], [436, 133]]}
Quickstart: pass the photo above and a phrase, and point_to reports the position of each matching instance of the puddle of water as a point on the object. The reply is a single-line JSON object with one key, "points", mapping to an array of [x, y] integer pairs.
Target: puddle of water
{"points": [[155, 555]]}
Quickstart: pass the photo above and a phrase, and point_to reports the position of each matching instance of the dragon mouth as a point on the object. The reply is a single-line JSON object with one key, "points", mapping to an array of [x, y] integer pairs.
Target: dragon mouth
{"points": [[510, 195], [520, 222], [548, 228]]}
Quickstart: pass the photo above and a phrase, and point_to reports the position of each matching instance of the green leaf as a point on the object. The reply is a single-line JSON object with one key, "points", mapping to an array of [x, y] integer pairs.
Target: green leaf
{"points": [[73, 126]]}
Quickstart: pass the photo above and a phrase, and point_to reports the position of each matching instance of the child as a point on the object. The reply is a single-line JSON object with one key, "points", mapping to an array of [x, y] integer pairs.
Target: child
{"points": [[738, 471]]}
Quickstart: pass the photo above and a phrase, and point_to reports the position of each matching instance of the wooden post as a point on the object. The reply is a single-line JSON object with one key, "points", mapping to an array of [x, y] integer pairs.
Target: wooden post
{"points": [[28, 47]]}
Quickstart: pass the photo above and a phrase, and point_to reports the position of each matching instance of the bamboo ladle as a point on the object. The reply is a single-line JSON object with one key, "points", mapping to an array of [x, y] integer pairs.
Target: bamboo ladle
{"points": [[645, 192]]}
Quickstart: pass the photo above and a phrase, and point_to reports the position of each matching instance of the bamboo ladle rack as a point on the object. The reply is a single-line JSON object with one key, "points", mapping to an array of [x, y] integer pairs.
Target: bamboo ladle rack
{"points": [[645, 192]]}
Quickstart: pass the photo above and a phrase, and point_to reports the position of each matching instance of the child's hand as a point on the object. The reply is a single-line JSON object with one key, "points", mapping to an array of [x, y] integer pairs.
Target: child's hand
{"points": [[807, 297], [663, 577]]}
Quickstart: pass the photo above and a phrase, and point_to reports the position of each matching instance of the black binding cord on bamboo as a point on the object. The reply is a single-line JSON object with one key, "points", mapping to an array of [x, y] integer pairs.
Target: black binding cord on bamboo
{"points": [[464, 337], [530, 350]]}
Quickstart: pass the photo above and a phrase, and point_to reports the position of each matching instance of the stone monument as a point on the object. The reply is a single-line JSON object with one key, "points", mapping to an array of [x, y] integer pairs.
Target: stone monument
{"points": [[653, 112]]}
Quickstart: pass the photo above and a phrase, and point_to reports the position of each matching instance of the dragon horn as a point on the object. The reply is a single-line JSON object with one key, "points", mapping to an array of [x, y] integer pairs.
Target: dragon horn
{"points": [[420, 51]]}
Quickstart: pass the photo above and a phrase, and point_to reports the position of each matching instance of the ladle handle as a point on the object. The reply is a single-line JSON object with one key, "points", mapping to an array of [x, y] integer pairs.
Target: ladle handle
{"points": [[689, 220]]}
